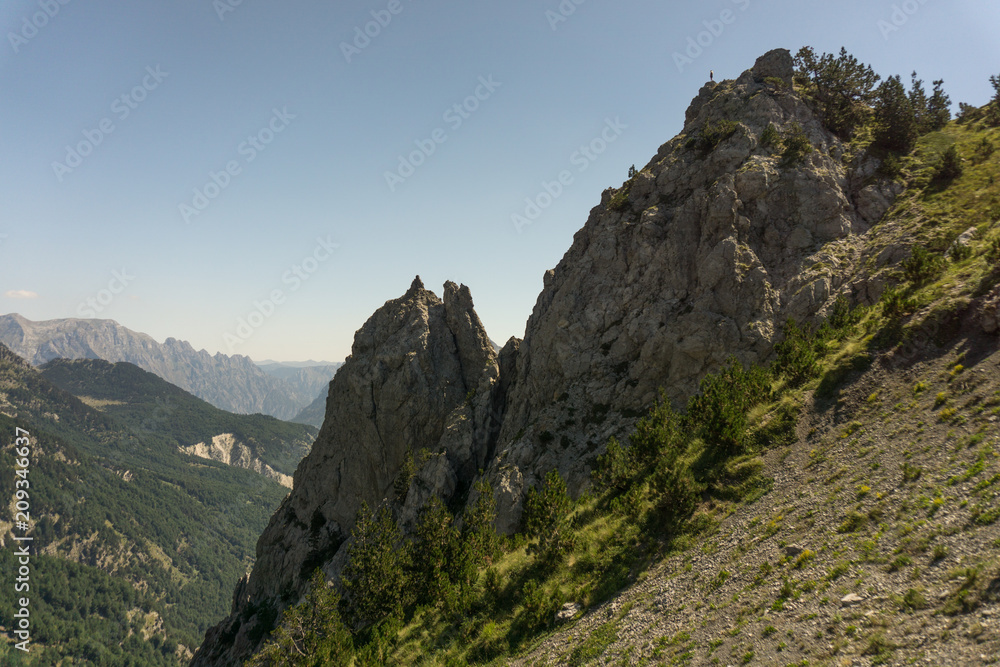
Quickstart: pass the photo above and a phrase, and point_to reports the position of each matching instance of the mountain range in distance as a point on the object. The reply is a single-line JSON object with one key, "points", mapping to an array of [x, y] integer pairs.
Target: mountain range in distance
{"points": [[232, 383]]}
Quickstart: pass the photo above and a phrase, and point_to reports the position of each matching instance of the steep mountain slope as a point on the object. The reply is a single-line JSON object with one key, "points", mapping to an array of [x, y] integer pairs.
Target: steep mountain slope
{"points": [[147, 543], [146, 403], [232, 383], [879, 541], [700, 256], [757, 215]]}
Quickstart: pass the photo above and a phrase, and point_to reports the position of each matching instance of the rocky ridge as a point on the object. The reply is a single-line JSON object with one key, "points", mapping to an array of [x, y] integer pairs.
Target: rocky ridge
{"points": [[700, 256], [417, 385]]}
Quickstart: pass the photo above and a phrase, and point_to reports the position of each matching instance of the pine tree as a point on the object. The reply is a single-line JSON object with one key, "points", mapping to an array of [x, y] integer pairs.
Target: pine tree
{"points": [[895, 120], [378, 561], [993, 108], [434, 547], [938, 107], [546, 511], [478, 530], [918, 100], [310, 633], [843, 87]]}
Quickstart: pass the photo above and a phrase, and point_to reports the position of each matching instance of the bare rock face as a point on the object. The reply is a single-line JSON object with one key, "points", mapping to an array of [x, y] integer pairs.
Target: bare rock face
{"points": [[419, 385], [226, 448], [701, 256]]}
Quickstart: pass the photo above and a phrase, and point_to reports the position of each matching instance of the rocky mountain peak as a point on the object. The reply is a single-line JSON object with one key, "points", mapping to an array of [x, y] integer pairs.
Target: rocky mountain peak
{"points": [[701, 255], [417, 387]]}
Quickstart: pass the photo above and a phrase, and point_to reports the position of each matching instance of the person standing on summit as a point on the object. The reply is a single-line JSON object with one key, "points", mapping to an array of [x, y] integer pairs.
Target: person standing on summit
{"points": [[711, 75]]}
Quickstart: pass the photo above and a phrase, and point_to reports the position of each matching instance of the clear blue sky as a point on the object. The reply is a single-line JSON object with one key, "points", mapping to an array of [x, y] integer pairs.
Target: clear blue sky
{"points": [[66, 229]]}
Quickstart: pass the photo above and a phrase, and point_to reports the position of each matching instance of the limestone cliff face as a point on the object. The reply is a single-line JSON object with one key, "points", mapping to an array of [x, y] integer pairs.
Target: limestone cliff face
{"points": [[226, 448], [418, 383], [702, 256]]}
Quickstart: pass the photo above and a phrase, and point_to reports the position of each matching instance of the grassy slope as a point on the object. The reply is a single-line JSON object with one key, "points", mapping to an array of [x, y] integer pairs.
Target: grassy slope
{"points": [[888, 488], [889, 491]]}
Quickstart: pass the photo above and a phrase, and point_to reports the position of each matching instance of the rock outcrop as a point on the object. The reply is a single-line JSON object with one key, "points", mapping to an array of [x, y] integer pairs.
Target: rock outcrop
{"points": [[232, 383], [418, 385], [701, 256], [226, 448]]}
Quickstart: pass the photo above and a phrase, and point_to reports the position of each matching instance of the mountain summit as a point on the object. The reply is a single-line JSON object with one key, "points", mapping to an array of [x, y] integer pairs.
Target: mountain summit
{"points": [[417, 387]]}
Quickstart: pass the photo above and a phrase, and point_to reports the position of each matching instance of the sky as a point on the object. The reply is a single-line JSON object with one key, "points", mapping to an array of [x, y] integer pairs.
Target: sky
{"points": [[259, 177]]}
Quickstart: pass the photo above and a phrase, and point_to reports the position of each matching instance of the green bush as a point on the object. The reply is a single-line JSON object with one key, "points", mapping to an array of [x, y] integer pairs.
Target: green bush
{"points": [[713, 134], [546, 511], [922, 266], [718, 413], [798, 353], [969, 114], [675, 495], [538, 609], [984, 149], [951, 165], [659, 434], [775, 82], [615, 469], [797, 145], [770, 137], [895, 303], [891, 166]]}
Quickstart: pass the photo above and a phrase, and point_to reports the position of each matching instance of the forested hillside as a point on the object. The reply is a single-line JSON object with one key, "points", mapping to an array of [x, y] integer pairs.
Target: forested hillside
{"points": [[136, 549]]}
